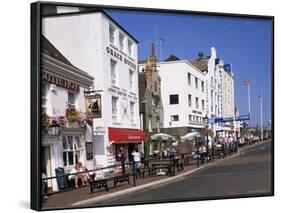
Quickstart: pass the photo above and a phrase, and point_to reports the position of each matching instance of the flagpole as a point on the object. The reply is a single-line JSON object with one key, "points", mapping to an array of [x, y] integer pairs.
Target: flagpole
{"points": [[249, 103], [233, 100], [261, 117]]}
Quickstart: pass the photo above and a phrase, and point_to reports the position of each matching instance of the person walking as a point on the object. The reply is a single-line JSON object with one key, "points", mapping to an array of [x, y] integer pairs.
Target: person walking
{"points": [[122, 159], [137, 160]]}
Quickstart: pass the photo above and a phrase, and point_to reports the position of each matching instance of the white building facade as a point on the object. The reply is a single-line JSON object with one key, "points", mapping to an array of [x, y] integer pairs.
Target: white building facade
{"points": [[183, 93], [100, 46], [63, 140]]}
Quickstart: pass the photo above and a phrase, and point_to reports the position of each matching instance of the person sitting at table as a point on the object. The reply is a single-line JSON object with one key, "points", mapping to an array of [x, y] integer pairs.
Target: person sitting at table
{"points": [[85, 175], [75, 177]]}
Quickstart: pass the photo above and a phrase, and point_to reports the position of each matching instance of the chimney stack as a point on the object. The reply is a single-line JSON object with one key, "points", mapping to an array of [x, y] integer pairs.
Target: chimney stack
{"points": [[201, 55]]}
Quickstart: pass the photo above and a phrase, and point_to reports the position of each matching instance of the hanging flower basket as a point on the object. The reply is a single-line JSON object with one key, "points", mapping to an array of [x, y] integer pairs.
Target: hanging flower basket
{"points": [[45, 122]]}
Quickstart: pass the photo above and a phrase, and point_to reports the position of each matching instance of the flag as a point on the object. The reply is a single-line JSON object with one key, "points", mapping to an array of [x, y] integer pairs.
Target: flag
{"points": [[227, 67], [246, 82], [217, 61]]}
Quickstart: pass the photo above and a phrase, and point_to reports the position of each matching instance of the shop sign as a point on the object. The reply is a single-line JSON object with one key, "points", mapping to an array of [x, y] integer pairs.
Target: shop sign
{"points": [[197, 112], [60, 81], [119, 57], [93, 106]]}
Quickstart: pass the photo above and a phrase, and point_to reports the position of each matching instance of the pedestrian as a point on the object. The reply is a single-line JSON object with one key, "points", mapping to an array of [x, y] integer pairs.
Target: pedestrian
{"points": [[122, 158], [44, 186], [203, 153], [137, 160]]}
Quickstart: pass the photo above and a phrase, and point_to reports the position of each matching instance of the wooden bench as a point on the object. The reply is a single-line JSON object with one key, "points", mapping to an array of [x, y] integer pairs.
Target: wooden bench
{"points": [[102, 183]]}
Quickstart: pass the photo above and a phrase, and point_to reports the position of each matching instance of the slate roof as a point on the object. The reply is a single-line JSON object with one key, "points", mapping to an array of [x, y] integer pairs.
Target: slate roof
{"points": [[201, 64], [172, 58], [48, 48]]}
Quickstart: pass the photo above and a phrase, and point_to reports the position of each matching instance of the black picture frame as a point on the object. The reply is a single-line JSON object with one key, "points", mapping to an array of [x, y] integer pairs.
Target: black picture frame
{"points": [[36, 102]]}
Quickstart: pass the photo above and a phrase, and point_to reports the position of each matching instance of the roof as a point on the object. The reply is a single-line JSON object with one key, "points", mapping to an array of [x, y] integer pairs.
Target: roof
{"points": [[201, 64], [142, 61], [90, 10], [49, 49], [172, 58]]}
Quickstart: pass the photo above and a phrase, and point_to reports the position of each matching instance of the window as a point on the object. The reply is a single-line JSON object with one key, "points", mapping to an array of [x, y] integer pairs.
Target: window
{"points": [[71, 99], [190, 117], [113, 72], [189, 101], [44, 97], [71, 146], [111, 34], [174, 99], [131, 79], [175, 118], [196, 103], [203, 104], [132, 109], [202, 86], [196, 83], [130, 48], [212, 79], [114, 108], [121, 41], [189, 79]]}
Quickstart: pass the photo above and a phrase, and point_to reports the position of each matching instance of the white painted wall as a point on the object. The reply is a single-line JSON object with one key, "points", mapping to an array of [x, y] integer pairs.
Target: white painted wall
{"points": [[174, 80], [86, 49]]}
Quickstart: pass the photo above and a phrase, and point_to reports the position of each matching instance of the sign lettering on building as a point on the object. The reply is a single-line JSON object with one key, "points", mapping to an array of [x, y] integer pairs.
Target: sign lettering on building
{"points": [[118, 56], [93, 106], [60, 82]]}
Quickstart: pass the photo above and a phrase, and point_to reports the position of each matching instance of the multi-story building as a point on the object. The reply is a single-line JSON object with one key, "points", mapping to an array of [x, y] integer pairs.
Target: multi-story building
{"points": [[96, 43], [209, 66], [151, 108], [183, 92], [63, 137]]}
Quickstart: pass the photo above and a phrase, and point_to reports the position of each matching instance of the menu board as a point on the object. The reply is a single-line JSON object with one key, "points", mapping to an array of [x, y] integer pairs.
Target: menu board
{"points": [[89, 150]]}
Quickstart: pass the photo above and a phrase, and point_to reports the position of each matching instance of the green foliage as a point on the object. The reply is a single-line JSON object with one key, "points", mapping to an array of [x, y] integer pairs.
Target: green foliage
{"points": [[45, 122], [71, 114]]}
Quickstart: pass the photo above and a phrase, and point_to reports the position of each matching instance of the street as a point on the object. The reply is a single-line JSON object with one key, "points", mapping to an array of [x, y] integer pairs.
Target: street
{"points": [[245, 175]]}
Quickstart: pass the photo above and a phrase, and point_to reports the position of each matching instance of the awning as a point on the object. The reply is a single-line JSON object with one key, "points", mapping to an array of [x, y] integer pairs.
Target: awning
{"points": [[118, 135]]}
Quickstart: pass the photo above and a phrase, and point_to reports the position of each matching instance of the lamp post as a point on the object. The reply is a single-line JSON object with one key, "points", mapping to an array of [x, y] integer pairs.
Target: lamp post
{"points": [[206, 119]]}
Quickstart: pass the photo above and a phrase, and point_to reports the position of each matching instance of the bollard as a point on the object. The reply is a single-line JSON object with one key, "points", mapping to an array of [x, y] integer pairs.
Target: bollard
{"points": [[134, 175], [198, 163], [213, 154]]}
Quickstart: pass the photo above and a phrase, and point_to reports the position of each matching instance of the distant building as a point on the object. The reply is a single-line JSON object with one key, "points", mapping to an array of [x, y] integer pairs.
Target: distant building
{"points": [[183, 92], [97, 44], [150, 101]]}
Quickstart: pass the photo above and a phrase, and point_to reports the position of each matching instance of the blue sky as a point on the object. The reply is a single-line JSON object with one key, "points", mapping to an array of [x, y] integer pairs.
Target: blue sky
{"points": [[244, 42]]}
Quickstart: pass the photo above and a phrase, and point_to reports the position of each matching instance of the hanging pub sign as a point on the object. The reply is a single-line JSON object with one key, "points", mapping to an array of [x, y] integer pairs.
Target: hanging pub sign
{"points": [[89, 150], [93, 106]]}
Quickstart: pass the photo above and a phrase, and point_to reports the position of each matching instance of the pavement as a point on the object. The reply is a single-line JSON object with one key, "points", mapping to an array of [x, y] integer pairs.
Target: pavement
{"points": [[83, 197]]}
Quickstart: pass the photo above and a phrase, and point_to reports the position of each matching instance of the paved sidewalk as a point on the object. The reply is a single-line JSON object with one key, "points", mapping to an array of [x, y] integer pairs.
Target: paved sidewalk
{"points": [[83, 197]]}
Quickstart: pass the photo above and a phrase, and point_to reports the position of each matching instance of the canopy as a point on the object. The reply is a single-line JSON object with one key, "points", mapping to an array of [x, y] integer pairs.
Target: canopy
{"points": [[162, 137], [118, 135], [190, 136]]}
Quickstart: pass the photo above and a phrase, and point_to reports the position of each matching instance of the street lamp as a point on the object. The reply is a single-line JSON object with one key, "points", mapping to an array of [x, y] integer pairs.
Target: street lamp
{"points": [[206, 119]]}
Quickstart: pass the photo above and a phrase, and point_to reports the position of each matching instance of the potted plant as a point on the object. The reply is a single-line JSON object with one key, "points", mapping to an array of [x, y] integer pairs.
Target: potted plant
{"points": [[45, 122]]}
